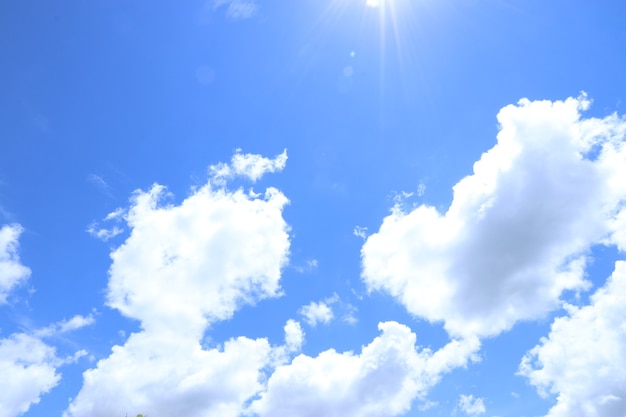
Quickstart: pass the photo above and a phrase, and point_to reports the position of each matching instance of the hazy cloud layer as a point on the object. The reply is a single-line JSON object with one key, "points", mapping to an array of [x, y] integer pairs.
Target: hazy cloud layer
{"points": [[519, 228], [237, 9], [583, 360]]}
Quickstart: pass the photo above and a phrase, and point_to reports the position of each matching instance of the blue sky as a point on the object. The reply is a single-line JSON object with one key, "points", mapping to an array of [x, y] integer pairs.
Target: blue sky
{"points": [[313, 208]]}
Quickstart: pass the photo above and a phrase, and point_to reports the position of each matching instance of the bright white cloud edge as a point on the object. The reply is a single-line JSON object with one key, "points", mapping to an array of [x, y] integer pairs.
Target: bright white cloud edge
{"points": [[383, 380], [317, 312], [583, 359], [183, 267], [519, 228], [28, 369]]}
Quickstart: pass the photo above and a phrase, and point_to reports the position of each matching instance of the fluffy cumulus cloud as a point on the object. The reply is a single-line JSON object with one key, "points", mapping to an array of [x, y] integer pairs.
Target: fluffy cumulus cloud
{"points": [[28, 369], [583, 360], [183, 267], [159, 373], [471, 406], [12, 272], [518, 230], [193, 263], [251, 166], [383, 380], [294, 336], [315, 313]]}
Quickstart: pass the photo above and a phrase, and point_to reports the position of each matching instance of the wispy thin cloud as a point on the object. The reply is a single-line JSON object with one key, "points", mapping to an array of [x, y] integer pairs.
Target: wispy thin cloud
{"points": [[237, 9], [325, 311], [104, 233], [100, 184], [65, 326], [360, 231]]}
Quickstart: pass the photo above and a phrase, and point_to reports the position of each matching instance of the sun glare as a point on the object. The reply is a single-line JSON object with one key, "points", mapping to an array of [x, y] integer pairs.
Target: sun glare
{"points": [[389, 25]]}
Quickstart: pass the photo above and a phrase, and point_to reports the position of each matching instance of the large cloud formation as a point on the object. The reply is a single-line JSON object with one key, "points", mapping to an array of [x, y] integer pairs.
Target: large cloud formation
{"points": [[182, 268], [381, 381], [518, 230], [583, 360], [186, 266], [159, 373], [195, 263]]}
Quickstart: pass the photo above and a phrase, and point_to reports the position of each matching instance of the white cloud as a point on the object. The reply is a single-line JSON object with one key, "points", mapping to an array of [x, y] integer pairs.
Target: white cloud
{"points": [[518, 229], [12, 272], [157, 373], [76, 323], [360, 231], [251, 166], [315, 313], [200, 260], [28, 369], [28, 366], [471, 406], [382, 380], [182, 268], [103, 234], [65, 326], [583, 360], [322, 312], [294, 336]]}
